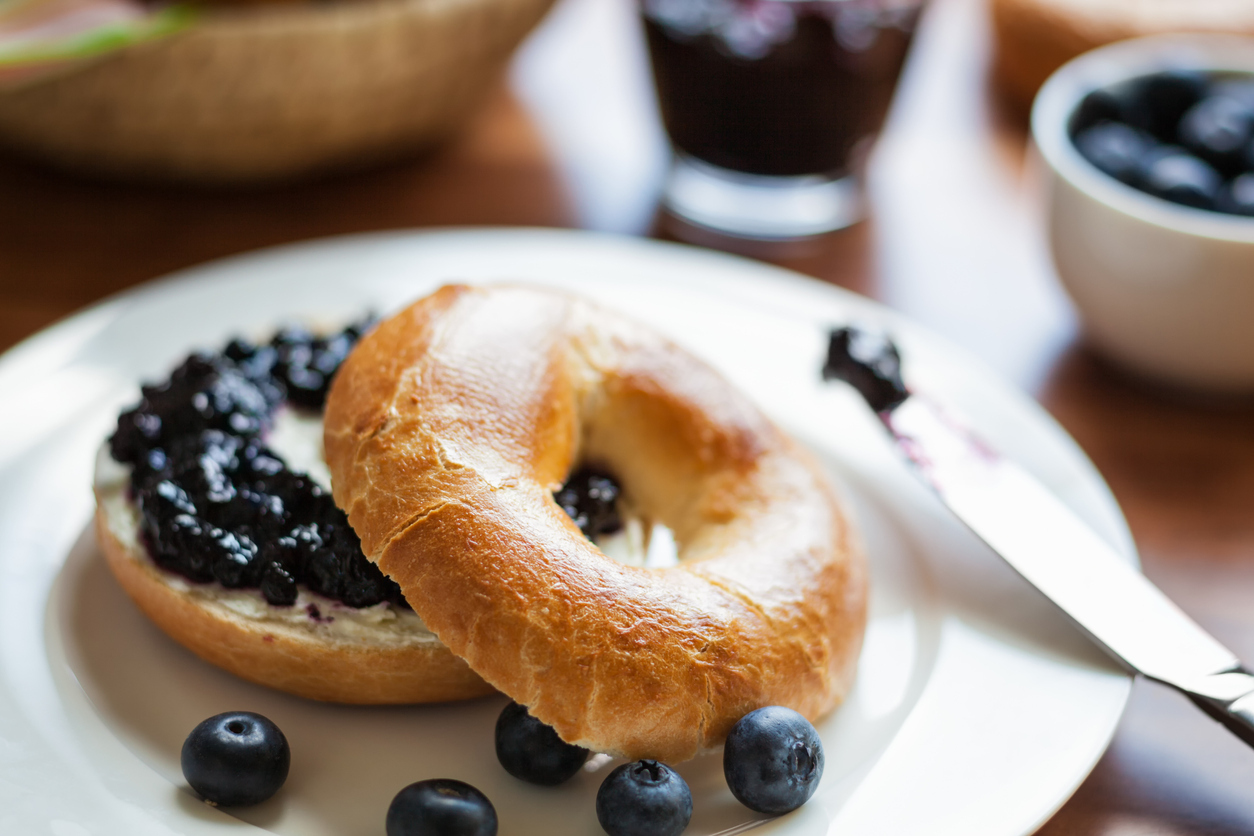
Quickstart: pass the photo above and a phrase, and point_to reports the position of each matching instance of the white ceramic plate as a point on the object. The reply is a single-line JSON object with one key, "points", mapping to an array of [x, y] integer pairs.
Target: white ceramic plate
{"points": [[978, 710]]}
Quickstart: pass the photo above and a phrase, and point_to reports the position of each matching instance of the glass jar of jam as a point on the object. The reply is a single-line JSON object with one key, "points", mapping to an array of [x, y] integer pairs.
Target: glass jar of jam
{"points": [[771, 105]]}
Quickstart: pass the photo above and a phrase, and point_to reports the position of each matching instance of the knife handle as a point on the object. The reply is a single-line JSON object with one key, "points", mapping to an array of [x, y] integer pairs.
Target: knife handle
{"points": [[1229, 698]]}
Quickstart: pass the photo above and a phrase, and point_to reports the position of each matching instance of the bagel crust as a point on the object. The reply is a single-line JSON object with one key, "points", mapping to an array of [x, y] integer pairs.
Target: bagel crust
{"points": [[449, 427], [302, 656]]}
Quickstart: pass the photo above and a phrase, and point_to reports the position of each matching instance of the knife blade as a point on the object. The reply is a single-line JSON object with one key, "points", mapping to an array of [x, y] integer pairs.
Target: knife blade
{"points": [[1043, 540]]}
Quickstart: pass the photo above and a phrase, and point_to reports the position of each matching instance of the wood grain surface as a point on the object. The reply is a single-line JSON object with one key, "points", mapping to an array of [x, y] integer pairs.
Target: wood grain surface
{"points": [[953, 240]]}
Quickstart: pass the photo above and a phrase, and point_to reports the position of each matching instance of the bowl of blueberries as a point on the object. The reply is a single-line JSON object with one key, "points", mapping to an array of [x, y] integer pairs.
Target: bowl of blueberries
{"points": [[1148, 146]]}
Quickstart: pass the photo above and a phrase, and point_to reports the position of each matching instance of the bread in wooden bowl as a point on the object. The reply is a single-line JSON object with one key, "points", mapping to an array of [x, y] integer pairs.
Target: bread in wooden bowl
{"points": [[1035, 37], [268, 92]]}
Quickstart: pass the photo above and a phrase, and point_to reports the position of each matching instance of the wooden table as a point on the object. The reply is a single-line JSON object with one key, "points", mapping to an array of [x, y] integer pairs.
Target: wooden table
{"points": [[954, 241]]}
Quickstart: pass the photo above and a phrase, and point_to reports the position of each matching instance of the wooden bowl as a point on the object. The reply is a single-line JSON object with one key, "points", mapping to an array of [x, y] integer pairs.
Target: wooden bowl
{"points": [[1035, 37], [272, 92]]}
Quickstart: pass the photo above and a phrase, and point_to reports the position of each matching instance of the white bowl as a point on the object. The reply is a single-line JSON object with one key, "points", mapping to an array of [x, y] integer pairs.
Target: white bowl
{"points": [[1164, 290]]}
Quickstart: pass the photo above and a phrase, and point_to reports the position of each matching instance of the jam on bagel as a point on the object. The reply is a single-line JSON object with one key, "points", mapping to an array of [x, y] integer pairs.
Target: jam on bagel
{"points": [[215, 512], [217, 504]]}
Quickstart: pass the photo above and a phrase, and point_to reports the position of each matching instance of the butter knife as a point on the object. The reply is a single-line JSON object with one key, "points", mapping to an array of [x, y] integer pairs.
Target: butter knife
{"points": [[1043, 540]]}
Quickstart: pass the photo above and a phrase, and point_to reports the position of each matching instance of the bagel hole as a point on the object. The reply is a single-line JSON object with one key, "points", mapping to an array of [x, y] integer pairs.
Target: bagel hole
{"points": [[663, 551], [640, 542], [594, 498]]}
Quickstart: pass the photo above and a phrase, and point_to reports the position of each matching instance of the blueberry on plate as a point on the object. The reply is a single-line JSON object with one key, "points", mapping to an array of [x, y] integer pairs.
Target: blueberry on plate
{"points": [[531, 751], [645, 798], [1115, 148], [441, 807], [235, 759], [1173, 174], [773, 760]]}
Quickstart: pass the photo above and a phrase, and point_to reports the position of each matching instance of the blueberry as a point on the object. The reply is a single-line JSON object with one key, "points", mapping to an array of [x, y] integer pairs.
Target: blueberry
{"points": [[441, 807], [168, 499], [204, 466], [153, 463], [304, 364], [1238, 197], [1155, 103], [235, 564], [323, 570], [239, 349], [330, 353], [773, 760], [292, 336], [138, 430], [1098, 106], [209, 393], [1175, 175], [531, 751], [260, 512], [258, 367], [235, 759], [1115, 148], [278, 585], [184, 544], [362, 583], [300, 494], [1218, 129], [306, 387], [1238, 89], [645, 798], [261, 462]]}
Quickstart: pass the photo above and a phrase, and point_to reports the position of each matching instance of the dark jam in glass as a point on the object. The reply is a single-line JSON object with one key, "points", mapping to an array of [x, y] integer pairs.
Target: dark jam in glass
{"points": [[777, 88]]}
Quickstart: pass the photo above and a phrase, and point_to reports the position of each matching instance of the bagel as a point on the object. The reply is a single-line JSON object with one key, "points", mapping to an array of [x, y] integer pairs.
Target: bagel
{"points": [[449, 427], [317, 648]]}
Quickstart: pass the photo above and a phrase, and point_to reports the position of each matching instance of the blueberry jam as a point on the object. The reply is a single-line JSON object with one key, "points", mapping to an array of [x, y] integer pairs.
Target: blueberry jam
{"points": [[868, 361], [590, 497], [1182, 135], [215, 503], [777, 87]]}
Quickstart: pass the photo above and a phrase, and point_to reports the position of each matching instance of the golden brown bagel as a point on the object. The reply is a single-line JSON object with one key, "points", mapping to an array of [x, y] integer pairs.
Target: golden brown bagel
{"points": [[449, 427], [1036, 37], [397, 661]]}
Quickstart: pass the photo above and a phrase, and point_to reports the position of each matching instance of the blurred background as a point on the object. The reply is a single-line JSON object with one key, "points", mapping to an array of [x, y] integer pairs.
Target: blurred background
{"points": [[559, 126]]}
